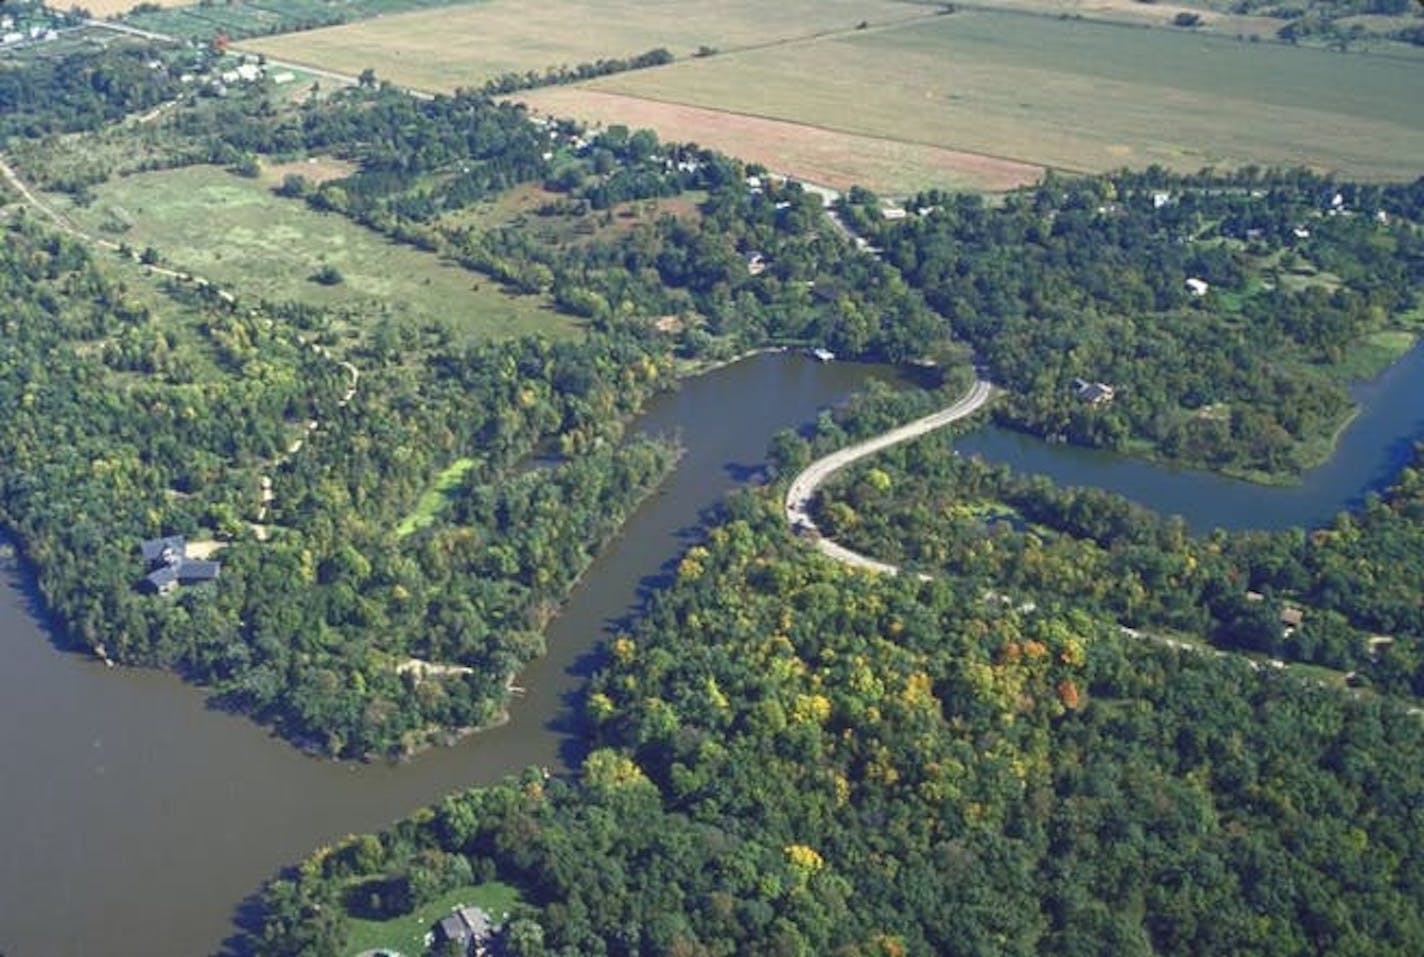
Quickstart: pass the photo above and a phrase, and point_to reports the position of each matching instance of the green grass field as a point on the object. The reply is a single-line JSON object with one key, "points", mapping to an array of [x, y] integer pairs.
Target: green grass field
{"points": [[435, 498], [1072, 94], [237, 233], [1373, 354], [463, 46], [406, 935]]}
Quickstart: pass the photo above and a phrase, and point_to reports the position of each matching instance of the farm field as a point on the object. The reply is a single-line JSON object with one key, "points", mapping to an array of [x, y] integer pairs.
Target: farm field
{"points": [[822, 156], [1157, 14], [240, 18], [1071, 94], [104, 9], [236, 231], [464, 46]]}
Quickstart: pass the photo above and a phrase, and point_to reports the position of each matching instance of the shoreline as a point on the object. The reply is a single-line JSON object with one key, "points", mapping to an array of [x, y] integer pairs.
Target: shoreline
{"points": [[449, 737]]}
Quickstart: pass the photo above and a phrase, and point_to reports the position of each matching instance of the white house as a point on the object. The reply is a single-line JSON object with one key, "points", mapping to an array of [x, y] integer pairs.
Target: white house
{"points": [[1198, 287]]}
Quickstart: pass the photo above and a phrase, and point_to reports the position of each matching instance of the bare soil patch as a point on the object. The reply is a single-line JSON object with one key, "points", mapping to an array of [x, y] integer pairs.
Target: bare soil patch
{"points": [[104, 9], [1155, 14], [821, 156], [205, 548], [316, 169]]}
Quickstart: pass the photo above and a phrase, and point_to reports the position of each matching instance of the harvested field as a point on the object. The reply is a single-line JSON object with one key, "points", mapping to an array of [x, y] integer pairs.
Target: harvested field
{"points": [[1138, 13], [464, 46], [104, 9], [1072, 94], [820, 156]]}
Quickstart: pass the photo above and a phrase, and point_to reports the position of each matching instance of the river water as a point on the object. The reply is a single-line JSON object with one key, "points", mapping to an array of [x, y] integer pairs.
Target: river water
{"points": [[135, 819], [1369, 455]]}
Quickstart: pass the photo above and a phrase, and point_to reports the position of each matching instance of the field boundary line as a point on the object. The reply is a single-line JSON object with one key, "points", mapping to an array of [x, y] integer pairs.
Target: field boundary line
{"points": [[829, 129]]}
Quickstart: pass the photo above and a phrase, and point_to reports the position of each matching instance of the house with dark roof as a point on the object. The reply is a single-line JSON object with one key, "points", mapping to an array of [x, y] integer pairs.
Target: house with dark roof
{"points": [[469, 928], [1093, 393], [168, 565]]}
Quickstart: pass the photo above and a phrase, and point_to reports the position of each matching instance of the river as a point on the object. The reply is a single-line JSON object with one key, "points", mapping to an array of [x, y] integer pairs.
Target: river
{"points": [[135, 818], [1370, 453]]}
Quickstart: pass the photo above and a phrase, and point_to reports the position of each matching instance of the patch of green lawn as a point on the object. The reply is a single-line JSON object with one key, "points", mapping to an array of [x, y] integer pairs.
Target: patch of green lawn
{"points": [[406, 935], [1373, 354], [239, 234], [435, 498]]}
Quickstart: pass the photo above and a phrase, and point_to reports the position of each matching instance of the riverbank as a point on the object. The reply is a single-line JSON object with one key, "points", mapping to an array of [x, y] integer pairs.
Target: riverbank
{"points": [[82, 743]]}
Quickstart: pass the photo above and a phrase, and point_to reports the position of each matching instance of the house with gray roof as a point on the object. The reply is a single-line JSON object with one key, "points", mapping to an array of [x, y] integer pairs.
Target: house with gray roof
{"points": [[470, 928], [168, 565]]}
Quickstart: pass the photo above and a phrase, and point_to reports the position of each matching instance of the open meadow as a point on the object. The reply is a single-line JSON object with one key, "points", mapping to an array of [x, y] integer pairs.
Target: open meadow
{"points": [[235, 231], [1071, 94], [465, 46]]}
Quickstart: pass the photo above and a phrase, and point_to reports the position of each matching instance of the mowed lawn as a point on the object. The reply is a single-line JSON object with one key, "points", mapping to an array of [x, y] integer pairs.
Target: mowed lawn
{"points": [[1072, 94], [464, 46], [237, 233]]}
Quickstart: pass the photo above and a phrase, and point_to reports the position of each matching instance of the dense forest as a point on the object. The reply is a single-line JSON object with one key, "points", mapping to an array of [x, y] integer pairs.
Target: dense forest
{"points": [[130, 421], [239, 424], [81, 91], [795, 758]]}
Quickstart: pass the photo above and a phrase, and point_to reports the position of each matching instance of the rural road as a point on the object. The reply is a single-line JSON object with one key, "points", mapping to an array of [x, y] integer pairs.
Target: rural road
{"points": [[803, 487]]}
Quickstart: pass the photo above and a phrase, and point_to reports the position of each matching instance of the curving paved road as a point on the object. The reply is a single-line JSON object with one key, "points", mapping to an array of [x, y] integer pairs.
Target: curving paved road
{"points": [[803, 488]]}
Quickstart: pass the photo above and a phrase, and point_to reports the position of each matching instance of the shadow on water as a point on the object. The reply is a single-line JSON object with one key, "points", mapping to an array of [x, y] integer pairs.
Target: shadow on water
{"points": [[746, 473], [247, 924], [19, 576], [567, 722]]}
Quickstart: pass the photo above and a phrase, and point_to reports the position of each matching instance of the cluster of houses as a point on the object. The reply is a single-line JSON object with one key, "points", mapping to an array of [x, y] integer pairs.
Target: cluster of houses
{"points": [[248, 70], [168, 566], [13, 33]]}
